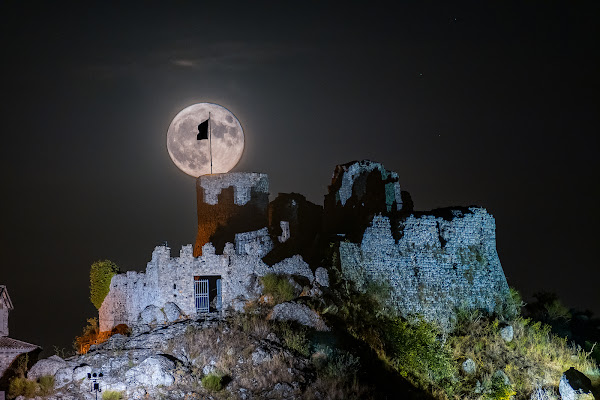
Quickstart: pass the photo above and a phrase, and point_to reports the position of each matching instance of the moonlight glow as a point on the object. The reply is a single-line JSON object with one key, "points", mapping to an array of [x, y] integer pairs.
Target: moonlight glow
{"points": [[192, 156]]}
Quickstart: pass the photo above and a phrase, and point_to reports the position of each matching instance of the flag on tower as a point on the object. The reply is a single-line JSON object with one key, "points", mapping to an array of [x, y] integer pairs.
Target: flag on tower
{"points": [[202, 131]]}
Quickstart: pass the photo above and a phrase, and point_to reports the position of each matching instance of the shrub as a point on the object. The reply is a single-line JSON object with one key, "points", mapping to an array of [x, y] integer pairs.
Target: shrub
{"points": [[212, 382], [414, 349], [112, 395], [295, 338], [500, 390], [19, 386], [101, 273], [46, 384], [337, 363], [278, 287]]}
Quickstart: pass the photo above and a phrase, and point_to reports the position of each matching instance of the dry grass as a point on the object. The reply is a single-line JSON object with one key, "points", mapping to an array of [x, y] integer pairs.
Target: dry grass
{"points": [[534, 359]]}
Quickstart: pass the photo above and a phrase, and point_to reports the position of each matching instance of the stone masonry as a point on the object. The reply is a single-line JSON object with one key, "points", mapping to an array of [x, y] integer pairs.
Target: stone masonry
{"points": [[170, 280], [229, 204], [436, 267]]}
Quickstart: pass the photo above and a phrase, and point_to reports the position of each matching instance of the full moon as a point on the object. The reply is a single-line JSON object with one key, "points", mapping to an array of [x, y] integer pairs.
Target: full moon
{"points": [[193, 156]]}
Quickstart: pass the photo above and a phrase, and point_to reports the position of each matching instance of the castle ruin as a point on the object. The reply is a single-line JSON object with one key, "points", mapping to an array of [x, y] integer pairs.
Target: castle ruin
{"points": [[432, 263]]}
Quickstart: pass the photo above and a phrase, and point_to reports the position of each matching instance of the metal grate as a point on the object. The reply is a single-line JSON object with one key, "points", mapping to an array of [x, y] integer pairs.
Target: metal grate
{"points": [[219, 294], [201, 295]]}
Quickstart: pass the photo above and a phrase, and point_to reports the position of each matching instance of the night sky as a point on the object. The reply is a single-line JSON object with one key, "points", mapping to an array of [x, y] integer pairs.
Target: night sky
{"points": [[491, 103]]}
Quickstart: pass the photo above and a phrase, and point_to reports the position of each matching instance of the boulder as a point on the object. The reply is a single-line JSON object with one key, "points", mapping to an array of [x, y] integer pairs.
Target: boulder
{"points": [[501, 375], [81, 373], [153, 371], [172, 312], [63, 377], [469, 366], [290, 311], [507, 333], [45, 367], [322, 277], [152, 315], [574, 385], [543, 393]]}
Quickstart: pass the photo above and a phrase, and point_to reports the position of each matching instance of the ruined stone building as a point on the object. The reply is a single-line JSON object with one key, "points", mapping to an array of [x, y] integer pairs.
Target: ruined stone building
{"points": [[220, 272], [432, 263], [10, 349]]}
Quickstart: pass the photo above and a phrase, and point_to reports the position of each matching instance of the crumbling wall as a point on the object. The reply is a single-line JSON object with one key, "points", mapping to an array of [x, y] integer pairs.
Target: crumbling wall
{"points": [[437, 266], [228, 204], [295, 225], [171, 280], [359, 190]]}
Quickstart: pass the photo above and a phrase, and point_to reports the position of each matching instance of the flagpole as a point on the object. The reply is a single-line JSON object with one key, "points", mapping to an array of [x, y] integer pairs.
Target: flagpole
{"points": [[210, 141]]}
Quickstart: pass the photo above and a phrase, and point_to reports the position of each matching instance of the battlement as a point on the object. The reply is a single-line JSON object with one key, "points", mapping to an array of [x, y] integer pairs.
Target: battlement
{"points": [[228, 204], [242, 183]]}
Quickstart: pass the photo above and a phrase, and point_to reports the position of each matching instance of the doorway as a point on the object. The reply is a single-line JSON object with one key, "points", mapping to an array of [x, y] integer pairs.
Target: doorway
{"points": [[207, 293]]}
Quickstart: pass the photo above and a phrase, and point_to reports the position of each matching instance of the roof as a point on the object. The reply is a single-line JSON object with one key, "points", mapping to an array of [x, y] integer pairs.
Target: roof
{"points": [[5, 297], [9, 344]]}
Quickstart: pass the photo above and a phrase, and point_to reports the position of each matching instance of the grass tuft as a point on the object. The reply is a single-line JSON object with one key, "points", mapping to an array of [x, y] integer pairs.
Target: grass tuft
{"points": [[278, 287]]}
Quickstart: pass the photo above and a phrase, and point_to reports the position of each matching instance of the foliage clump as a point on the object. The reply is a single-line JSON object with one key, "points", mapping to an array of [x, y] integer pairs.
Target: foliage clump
{"points": [[21, 386], [278, 287], [112, 395], [101, 273], [212, 382], [413, 348]]}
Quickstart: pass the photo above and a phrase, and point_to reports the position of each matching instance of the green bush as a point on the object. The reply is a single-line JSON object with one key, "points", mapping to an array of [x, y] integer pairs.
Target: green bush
{"points": [[278, 287], [413, 349], [46, 384], [112, 395], [500, 390], [295, 338], [19, 386], [101, 273], [212, 382], [336, 363]]}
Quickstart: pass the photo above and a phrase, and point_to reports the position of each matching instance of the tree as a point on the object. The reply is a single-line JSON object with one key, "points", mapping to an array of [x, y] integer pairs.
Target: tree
{"points": [[101, 273]]}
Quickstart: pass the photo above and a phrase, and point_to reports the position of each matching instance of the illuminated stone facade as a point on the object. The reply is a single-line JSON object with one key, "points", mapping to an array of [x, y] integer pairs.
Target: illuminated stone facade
{"points": [[434, 262], [229, 204]]}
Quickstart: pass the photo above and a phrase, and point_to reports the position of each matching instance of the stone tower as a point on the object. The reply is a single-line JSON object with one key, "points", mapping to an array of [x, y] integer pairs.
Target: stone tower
{"points": [[228, 204], [360, 190]]}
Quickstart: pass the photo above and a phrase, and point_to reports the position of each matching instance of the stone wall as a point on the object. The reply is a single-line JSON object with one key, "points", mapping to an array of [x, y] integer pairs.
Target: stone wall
{"points": [[437, 265], [359, 190], [171, 280], [228, 204]]}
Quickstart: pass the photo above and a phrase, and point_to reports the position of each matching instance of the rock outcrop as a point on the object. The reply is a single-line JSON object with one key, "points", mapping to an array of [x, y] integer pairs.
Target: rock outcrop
{"points": [[170, 362], [575, 386]]}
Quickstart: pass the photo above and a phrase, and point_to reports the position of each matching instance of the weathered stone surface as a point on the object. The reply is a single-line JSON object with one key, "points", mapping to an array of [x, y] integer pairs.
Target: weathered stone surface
{"points": [[228, 204], [290, 311], [80, 373], [63, 376], [322, 277], [152, 315], [153, 371], [574, 385], [358, 191], [159, 364], [469, 366], [437, 265], [47, 366], [507, 333], [293, 266], [261, 355], [543, 393], [172, 312]]}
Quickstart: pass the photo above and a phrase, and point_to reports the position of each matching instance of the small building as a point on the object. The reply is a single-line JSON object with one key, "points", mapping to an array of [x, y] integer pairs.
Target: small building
{"points": [[10, 349]]}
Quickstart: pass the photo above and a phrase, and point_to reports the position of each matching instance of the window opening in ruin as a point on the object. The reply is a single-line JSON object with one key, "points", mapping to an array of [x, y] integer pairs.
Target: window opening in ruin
{"points": [[207, 293]]}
